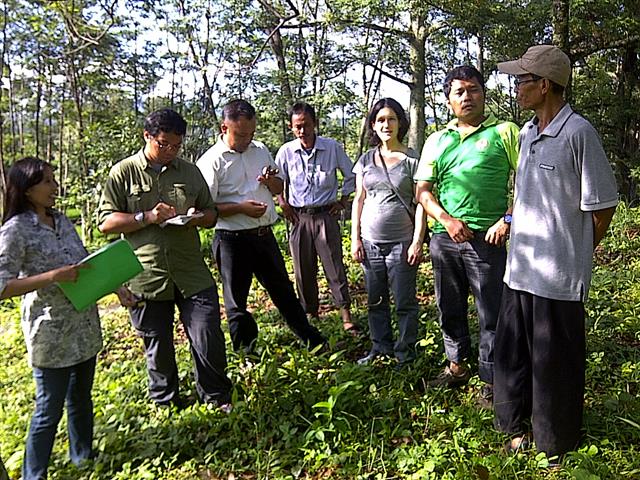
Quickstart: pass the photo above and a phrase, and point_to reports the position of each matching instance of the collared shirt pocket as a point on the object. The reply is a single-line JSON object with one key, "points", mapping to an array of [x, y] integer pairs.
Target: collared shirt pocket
{"points": [[183, 197], [139, 198]]}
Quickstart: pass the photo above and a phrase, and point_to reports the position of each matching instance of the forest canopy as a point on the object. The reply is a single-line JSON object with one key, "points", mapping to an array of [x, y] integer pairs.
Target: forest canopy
{"points": [[79, 76]]}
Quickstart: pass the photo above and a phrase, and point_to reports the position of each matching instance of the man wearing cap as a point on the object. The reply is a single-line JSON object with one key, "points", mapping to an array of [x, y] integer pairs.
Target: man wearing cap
{"points": [[309, 165], [140, 195], [565, 197], [242, 179], [469, 163]]}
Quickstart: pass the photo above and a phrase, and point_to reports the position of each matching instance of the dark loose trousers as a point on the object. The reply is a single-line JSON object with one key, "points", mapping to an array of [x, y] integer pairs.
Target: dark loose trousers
{"points": [[540, 369], [242, 254], [457, 268], [200, 316], [318, 235]]}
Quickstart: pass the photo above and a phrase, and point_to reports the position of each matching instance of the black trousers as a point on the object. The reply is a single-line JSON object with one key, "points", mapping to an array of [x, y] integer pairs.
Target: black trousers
{"points": [[239, 256], [200, 316], [539, 369]]}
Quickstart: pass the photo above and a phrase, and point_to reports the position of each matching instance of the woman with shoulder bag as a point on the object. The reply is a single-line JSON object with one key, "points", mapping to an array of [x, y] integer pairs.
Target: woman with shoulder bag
{"points": [[387, 231]]}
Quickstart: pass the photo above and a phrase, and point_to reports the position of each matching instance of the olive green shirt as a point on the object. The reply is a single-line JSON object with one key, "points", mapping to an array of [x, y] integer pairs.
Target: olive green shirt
{"points": [[171, 256]]}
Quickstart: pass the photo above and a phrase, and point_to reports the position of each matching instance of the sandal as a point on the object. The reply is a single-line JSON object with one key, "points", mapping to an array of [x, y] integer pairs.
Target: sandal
{"points": [[517, 444], [352, 329]]}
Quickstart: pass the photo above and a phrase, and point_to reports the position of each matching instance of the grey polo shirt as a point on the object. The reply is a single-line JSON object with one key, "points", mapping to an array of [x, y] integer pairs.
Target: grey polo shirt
{"points": [[563, 175]]}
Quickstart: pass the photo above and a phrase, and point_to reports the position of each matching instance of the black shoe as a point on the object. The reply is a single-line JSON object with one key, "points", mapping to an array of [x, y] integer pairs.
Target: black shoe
{"points": [[485, 398], [176, 403], [446, 378]]}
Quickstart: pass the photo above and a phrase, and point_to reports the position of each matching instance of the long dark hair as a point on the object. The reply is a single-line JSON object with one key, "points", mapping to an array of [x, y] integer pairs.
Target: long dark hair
{"points": [[403, 122], [23, 174]]}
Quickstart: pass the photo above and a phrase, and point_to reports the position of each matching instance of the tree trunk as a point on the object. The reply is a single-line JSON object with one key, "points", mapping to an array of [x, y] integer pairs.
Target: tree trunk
{"points": [[480, 62], [64, 167], [627, 141], [173, 78], [416, 99], [12, 112], [560, 24], [275, 42], [38, 103], [85, 207], [3, 186], [49, 152]]}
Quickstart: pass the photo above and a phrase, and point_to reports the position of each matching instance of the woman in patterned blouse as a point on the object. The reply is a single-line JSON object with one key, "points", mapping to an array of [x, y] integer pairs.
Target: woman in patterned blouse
{"points": [[38, 248]]}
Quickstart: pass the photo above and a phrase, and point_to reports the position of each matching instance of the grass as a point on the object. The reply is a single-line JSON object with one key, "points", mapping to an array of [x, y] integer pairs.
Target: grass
{"points": [[314, 416]]}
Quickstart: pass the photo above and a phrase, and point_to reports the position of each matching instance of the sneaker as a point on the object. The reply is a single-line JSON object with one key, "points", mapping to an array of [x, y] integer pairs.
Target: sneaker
{"points": [[225, 408], [370, 357], [485, 398], [448, 379]]}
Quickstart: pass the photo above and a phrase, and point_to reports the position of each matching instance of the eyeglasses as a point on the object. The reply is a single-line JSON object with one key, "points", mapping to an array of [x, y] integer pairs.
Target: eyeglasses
{"points": [[534, 78], [167, 146]]}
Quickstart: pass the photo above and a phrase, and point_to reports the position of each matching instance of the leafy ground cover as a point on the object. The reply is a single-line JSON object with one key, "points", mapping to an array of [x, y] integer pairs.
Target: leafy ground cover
{"points": [[301, 414]]}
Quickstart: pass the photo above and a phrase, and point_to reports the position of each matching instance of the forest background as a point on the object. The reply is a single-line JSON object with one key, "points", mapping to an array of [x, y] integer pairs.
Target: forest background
{"points": [[78, 77]]}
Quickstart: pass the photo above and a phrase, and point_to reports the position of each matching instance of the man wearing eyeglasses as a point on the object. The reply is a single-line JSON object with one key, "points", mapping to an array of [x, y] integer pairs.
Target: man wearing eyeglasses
{"points": [[565, 197], [157, 200], [243, 179], [310, 164], [463, 183]]}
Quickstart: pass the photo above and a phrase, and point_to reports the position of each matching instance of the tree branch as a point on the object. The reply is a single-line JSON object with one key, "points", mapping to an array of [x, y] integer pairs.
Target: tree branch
{"points": [[371, 26], [281, 23], [74, 31], [389, 75], [593, 47]]}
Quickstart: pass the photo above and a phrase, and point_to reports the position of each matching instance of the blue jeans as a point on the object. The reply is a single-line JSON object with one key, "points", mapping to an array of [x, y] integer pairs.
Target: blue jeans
{"points": [[457, 268], [385, 268], [53, 386]]}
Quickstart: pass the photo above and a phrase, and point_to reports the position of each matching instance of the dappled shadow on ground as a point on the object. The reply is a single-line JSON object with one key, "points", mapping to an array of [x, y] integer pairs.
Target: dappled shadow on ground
{"points": [[301, 414]]}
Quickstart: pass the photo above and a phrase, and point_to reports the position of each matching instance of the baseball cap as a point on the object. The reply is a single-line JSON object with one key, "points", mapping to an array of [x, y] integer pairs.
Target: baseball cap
{"points": [[546, 61]]}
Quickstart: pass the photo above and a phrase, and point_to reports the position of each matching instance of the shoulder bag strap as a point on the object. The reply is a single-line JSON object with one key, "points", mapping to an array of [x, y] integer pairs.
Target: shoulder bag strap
{"points": [[395, 190]]}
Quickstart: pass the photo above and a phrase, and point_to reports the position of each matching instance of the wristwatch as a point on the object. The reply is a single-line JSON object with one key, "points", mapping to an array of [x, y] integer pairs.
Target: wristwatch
{"points": [[139, 217], [507, 218]]}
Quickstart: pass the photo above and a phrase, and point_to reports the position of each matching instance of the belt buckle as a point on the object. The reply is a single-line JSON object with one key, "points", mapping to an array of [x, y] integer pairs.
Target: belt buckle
{"points": [[262, 231]]}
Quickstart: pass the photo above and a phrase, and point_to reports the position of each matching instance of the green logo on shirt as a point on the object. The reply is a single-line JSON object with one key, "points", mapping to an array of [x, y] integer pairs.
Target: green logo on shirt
{"points": [[482, 144]]}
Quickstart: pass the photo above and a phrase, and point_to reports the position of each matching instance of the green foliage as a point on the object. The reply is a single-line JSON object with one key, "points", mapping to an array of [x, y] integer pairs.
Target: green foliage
{"points": [[301, 414], [78, 76]]}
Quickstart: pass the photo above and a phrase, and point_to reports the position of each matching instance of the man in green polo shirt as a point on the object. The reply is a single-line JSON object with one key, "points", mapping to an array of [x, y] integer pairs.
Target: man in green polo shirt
{"points": [[157, 200], [463, 183]]}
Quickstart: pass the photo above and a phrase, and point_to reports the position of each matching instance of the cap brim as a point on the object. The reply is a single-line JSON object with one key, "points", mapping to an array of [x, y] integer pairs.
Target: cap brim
{"points": [[512, 68]]}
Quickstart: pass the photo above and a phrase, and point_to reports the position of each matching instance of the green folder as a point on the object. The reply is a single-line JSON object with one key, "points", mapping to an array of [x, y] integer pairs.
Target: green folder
{"points": [[111, 266]]}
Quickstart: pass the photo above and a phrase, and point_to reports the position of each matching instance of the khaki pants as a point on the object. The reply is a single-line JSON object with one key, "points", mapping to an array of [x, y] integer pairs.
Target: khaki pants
{"points": [[318, 235]]}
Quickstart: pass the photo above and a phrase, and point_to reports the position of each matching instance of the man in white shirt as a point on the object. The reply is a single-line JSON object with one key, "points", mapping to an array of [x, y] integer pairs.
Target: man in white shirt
{"points": [[242, 179]]}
